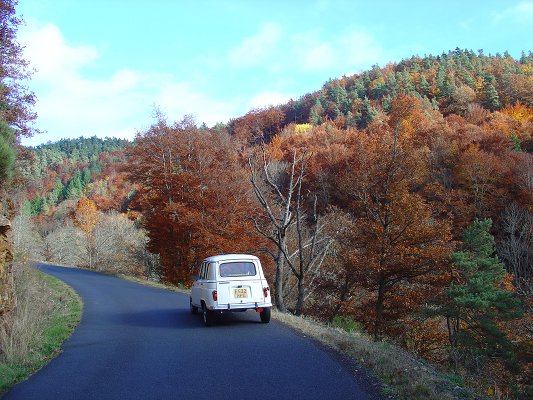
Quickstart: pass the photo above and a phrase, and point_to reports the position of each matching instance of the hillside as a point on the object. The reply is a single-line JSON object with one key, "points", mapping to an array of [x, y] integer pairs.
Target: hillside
{"points": [[72, 168], [398, 201], [451, 83]]}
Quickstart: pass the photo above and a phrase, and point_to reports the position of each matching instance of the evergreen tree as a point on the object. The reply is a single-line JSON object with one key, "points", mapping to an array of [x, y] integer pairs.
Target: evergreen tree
{"points": [[7, 152], [37, 204], [315, 116], [86, 177], [368, 113], [476, 301], [25, 208], [425, 87], [491, 99], [55, 194], [74, 187]]}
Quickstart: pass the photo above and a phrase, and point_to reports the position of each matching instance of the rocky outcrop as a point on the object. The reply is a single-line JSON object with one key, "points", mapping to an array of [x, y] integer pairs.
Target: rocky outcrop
{"points": [[7, 300]]}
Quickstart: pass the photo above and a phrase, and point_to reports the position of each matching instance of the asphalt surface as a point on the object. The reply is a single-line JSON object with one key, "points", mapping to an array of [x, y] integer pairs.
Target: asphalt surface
{"points": [[139, 342]]}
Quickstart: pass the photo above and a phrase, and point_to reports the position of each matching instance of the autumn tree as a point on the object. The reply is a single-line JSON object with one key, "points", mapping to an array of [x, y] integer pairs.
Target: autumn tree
{"points": [[257, 126], [193, 194], [15, 99], [86, 216], [400, 246]]}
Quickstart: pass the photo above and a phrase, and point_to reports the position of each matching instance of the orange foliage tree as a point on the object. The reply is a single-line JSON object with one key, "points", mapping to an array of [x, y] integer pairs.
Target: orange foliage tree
{"points": [[194, 195], [400, 249], [86, 216]]}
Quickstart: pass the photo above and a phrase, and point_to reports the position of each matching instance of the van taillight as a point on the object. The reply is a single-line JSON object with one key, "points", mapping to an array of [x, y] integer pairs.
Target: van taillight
{"points": [[215, 295], [265, 291]]}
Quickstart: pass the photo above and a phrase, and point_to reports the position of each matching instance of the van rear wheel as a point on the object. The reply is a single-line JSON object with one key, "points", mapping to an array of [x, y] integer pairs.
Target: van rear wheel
{"points": [[194, 309], [208, 316], [265, 315]]}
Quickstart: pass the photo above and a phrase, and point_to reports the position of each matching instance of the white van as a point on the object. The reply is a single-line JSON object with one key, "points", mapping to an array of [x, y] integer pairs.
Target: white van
{"points": [[228, 283]]}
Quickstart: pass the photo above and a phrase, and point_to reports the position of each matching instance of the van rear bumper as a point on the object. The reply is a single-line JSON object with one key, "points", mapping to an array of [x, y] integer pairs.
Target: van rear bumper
{"points": [[240, 306]]}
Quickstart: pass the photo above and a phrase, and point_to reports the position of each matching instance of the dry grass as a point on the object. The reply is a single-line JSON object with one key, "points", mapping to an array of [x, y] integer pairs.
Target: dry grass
{"points": [[403, 376], [47, 312]]}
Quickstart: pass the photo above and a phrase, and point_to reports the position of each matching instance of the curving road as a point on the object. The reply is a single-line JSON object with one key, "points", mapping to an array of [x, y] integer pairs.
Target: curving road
{"points": [[139, 342]]}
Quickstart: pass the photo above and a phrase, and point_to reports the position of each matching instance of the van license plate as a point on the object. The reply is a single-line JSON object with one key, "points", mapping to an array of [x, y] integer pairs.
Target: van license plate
{"points": [[240, 293]]}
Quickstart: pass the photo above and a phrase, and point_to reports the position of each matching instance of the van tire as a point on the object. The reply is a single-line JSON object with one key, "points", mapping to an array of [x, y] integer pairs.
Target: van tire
{"points": [[208, 316], [194, 309], [265, 315]]}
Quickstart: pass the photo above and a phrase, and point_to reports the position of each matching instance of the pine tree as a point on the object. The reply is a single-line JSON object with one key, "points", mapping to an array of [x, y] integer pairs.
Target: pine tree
{"points": [[37, 204], [55, 194], [315, 116], [86, 177], [491, 99], [476, 301], [25, 208], [368, 113], [425, 87], [7, 152], [74, 187]]}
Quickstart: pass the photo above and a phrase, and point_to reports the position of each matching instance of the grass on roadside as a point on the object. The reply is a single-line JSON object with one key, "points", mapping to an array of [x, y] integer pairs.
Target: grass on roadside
{"points": [[402, 375], [47, 312]]}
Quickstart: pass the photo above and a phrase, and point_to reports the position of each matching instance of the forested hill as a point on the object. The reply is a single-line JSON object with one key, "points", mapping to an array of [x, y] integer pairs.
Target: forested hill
{"points": [[457, 82], [71, 168], [74, 151]]}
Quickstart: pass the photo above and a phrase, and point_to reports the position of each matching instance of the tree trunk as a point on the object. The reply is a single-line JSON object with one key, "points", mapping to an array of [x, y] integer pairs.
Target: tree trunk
{"points": [[278, 283], [7, 298], [379, 309], [301, 295]]}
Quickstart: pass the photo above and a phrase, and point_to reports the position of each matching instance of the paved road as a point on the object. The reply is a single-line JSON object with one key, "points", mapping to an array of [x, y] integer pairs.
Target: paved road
{"points": [[138, 342]]}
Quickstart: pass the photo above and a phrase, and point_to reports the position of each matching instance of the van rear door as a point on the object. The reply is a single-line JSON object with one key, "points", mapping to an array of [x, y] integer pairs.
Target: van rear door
{"points": [[239, 282]]}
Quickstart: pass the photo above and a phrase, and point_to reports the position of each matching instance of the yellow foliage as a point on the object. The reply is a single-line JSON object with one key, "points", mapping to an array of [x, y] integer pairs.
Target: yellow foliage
{"points": [[519, 112], [376, 82], [302, 128], [86, 215]]}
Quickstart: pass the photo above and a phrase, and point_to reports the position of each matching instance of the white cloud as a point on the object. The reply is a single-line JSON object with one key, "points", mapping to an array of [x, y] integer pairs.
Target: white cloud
{"points": [[53, 59], [71, 103], [178, 99], [354, 49], [268, 98], [521, 12], [278, 52], [256, 48]]}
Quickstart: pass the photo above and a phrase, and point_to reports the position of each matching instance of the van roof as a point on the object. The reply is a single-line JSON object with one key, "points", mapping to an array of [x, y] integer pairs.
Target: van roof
{"points": [[226, 257]]}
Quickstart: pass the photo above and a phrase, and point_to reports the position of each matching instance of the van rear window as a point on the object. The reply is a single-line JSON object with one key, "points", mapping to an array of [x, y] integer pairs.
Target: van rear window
{"points": [[230, 269]]}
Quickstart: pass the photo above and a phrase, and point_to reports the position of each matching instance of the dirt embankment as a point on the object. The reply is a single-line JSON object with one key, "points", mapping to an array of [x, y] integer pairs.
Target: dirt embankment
{"points": [[7, 299]]}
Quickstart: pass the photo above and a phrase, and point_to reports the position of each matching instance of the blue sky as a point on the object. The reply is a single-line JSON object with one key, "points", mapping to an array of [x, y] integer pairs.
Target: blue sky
{"points": [[103, 65]]}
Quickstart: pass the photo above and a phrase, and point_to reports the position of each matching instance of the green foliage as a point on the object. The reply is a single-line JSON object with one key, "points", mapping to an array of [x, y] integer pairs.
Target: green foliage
{"points": [[515, 141], [56, 193], [315, 114], [347, 324], [368, 113], [25, 208], [477, 300], [7, 152], [74, 187], [491, 99], [38, 204]]}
